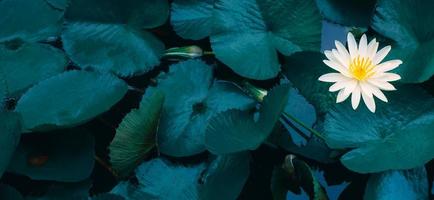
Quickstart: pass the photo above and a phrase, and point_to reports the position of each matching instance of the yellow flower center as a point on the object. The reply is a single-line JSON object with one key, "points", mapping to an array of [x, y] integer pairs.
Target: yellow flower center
{"points": [[361, 68]]}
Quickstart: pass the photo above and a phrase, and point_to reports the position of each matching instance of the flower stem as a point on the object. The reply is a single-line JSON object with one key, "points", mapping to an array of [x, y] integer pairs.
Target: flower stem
{"points": [[313, 131], [106, 166]]}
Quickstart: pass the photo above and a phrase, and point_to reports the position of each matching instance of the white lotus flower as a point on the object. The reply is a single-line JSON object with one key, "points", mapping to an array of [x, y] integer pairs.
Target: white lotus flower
{"points": [[360, 72]]}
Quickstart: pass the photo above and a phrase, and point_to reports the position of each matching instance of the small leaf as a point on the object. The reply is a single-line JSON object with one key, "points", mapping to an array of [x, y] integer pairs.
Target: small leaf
{"points": [[234, 130], [10, 132], [31, 21], [397, 131], [405, 184], [66, 156], [69, 99], [108, 35], [7, 192], [248, 43], [192, 19], [135, 136], [408, 24], [349, 12], [30, 63]]}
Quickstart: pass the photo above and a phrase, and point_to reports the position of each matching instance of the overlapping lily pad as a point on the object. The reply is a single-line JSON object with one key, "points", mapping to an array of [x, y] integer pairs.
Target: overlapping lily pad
{"points": [[108, 35], [66, 191], [65, 156], [350, 12], [69, 99], [192, 97], [405, 184], [222, 178], [192, 19], [305, 67], [27, 64], [408, 24], [234, 130], [398, 136], [31, 21], [247, 34], [8, 192]]}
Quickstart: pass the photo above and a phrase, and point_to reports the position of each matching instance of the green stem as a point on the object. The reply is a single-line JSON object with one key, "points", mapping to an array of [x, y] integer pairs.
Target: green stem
{"points": [[313, 131]]}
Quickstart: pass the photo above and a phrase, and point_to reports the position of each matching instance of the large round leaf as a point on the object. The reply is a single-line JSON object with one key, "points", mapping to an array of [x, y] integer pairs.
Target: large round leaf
{"points": [[30, 63], [303, 70], [347, 12], [398, 184], [235, 130], [66, 156], [408, 23], [33, 20], [69, 99], [65, 191], [192, 19], [10, 131], [192, 98], [248, 33], [397, 136], [108, 35], [136, 135]]}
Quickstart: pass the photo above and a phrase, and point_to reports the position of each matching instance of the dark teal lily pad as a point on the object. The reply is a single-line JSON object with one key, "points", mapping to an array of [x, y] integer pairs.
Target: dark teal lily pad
{"points": [[10, 132], [225, 177], [58, 4], [30, 63], [397, 136], [408, 24], [247, 34], [31, 21], [9, 193], [69, 99], [156, 179], [348, 12], [65, 156], [398, 184], [108, 35], [192, 19], [235, 130], [192, 97]]}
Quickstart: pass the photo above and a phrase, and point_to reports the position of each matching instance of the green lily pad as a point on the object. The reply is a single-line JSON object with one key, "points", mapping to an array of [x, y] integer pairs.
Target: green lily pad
{"points": [[69, 99], [235, 130], [247, 34], [10, 132], [192, 19], [31, 21], [303, 70], [225, 177], [405, 184], [398, 131], [65, 156], [136, 135], [157, 176], [348, 12], [408, 24], [7, 192], [30, 63], [108, 36], [192, 98]]}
